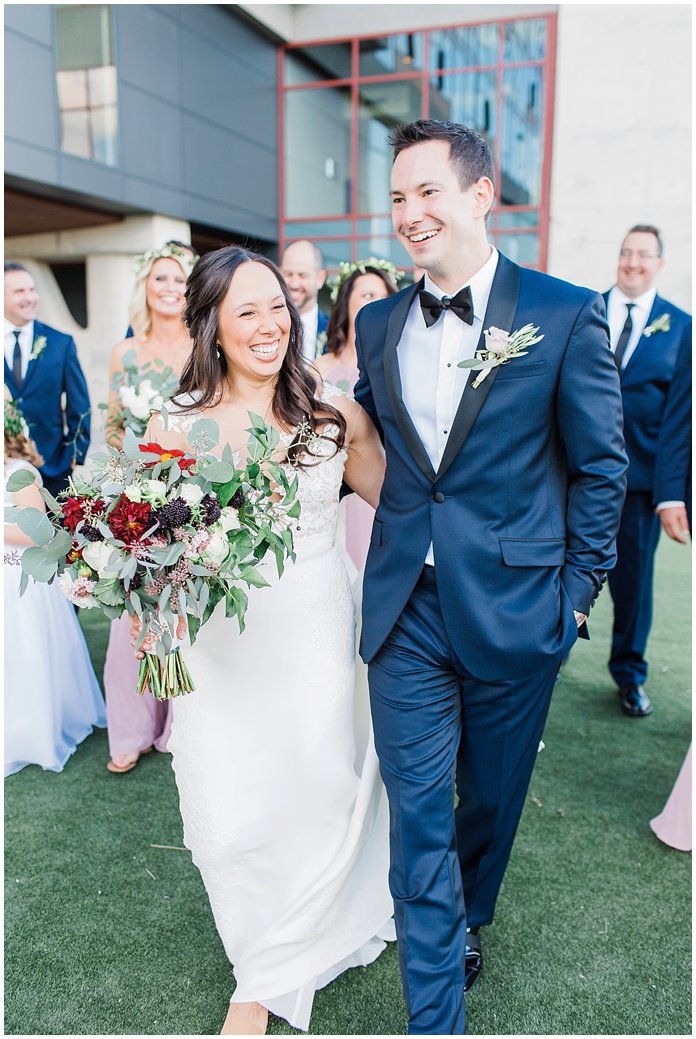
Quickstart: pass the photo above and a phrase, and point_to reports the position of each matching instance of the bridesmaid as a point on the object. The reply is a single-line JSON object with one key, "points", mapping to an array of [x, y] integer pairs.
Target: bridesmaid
{"points": [[136, 724], [357, 284], [673, 825]]}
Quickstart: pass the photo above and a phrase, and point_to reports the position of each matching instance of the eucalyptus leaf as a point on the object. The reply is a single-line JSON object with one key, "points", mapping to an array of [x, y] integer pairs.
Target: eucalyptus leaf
{"points": [[206, 427], [21, 479], [135, 603], [131, 447], [23, 582], [36, 563], [252, 576], [109, 591], [59, 547], [53, 505], [11, 513], [36, 525], [218, 472]]}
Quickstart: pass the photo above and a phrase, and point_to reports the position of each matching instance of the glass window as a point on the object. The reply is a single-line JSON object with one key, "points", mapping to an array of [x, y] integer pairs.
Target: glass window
{"points": [[375, 225], [313, 64], [311, 228], [466, 97], [385, 247], [334, 251], [381, 107], [317, 152], [385, 54], [525, 40], [522, 145], [522, 248], [527, 218], [86, 80], [460, 48]]}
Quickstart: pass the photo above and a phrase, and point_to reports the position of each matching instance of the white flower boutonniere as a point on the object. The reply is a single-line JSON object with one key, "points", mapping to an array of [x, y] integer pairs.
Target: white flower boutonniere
{"points": [[660, 324], [320, 344], [38, 347], [501, 347]]}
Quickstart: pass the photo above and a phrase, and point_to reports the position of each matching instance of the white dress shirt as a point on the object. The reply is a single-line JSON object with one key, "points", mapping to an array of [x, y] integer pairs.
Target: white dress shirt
{"points": [[431, 383], [616, 316], [310, 323], [26, 341]]}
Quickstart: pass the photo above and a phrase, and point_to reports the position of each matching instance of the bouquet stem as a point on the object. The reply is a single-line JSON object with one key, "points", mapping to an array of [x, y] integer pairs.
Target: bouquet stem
{"points": [[164, 680]]}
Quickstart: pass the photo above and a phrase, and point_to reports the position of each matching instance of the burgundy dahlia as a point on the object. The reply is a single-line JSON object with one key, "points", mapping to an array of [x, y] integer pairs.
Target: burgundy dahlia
{"points": [[130, 519]]}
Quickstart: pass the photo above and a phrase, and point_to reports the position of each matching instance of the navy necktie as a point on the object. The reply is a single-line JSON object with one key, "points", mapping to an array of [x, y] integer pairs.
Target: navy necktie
{"points": [[462, 305], [624, 337], [17, 359]]}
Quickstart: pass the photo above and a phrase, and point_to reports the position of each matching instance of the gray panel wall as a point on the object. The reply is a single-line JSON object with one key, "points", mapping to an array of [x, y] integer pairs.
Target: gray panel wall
{"points": [[197, 109]]}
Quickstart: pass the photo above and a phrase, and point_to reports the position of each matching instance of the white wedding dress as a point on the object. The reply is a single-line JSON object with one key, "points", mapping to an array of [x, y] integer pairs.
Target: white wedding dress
{"points": [[281, 798]]}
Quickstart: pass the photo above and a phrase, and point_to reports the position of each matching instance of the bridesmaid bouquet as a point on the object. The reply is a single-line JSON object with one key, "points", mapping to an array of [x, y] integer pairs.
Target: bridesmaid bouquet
{"points": [[163, 535], [140, 391]]}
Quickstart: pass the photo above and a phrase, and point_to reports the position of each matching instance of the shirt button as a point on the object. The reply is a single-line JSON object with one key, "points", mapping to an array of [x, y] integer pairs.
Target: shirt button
{"points": [[449, 364], [445, 432], [438, 497]]}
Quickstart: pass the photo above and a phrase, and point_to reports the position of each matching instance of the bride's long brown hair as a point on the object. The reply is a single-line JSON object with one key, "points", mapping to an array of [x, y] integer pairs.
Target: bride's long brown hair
{"points": [[295, 403]]}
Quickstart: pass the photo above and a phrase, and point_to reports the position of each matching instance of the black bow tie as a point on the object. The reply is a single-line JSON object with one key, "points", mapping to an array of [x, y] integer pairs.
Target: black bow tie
{"points": [[462, 305]]}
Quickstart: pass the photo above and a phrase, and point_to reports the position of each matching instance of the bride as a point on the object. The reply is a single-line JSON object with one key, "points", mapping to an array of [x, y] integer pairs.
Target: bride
{"points": [[278, 781]]}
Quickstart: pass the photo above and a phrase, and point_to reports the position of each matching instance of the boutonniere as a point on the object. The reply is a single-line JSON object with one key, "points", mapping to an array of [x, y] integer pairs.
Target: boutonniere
{"points": [[501, 347], [660, 324], [38, 347], [320, 344]]}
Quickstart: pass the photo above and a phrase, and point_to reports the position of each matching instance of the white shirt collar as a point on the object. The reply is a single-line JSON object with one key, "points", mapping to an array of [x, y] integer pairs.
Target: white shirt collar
{"points": [[311, 317], [10, 328], [480, 285], [644, 301]]}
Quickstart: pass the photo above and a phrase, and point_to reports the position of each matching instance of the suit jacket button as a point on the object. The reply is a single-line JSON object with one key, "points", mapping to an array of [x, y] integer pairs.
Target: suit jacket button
{"points": [[438, 497]]}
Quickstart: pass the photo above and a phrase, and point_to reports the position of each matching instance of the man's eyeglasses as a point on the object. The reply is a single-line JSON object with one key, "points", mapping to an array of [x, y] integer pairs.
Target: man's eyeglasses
{"points": [[626, 254]]}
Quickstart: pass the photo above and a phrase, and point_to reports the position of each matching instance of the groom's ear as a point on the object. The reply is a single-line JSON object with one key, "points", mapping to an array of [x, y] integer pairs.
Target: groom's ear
{"points": [[484, 193]]}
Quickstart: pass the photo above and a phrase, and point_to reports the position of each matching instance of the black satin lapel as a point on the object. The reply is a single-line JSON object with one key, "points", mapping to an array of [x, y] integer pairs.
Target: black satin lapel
{"points": [[500, 313], [395, 327]]}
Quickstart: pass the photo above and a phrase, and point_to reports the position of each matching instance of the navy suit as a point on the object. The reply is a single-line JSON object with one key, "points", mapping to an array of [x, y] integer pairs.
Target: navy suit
{"points": [[61, 437], [672, 480], [645, 384], [522, 514]]}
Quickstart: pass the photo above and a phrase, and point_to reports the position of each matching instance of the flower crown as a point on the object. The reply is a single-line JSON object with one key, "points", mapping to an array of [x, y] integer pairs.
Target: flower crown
{"points": [[346, 269], [173, 252], [15, 424]]}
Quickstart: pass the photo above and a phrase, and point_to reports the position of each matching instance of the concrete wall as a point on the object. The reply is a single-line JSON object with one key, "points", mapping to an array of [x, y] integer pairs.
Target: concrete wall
{"points": [[622, 141], [197, 111]]}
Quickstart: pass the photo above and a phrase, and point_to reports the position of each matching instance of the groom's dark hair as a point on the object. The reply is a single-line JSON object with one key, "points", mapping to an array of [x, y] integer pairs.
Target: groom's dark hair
{"points": [[469, 151]]}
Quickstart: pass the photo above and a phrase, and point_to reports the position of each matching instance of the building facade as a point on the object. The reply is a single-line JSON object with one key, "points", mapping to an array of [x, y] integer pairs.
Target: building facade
{"points": [[128, 124]]}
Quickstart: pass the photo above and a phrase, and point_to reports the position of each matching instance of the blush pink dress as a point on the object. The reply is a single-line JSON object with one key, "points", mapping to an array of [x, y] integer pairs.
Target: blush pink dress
{"points": [[357, 514], [134, 722], [673, 824]]}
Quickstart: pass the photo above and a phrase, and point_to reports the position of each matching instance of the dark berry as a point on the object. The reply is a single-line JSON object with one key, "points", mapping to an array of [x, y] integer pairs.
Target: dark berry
{"points": [[173, 514], [210, 509], [91, 533], [237, 499], [135, 581]]}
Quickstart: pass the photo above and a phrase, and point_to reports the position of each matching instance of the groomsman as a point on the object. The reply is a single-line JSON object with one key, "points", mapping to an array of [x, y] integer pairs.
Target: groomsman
{"points": [[302, 267], [646, 335], [43, 374], [672, 487]]}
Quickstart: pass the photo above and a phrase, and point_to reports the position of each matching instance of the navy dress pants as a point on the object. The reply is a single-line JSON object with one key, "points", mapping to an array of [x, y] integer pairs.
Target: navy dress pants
{"points": [[438, 727], [631, 587]]}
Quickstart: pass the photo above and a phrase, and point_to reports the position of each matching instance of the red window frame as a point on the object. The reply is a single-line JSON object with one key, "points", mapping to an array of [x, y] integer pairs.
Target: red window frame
{"points": [[355, 81]]}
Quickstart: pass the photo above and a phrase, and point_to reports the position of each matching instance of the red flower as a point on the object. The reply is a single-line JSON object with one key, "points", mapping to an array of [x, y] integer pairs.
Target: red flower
{"points": [[129, 520], [166, 456], [74, 554], [77, 509]]}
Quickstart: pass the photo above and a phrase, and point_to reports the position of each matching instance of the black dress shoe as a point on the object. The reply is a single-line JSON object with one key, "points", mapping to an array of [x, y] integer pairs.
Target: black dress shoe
{"points": [[473, 961], [634, 701]]}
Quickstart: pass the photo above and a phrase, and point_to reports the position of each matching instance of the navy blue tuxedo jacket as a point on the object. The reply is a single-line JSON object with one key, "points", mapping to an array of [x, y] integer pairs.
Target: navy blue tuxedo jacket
{"points": [[525, 506], [645, 383], [60, 437], [673, 457]]}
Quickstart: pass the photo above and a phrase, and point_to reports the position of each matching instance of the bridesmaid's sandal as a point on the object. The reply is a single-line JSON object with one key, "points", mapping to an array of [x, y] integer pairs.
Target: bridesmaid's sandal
{"points": [[126, 762], [245, 1019]]}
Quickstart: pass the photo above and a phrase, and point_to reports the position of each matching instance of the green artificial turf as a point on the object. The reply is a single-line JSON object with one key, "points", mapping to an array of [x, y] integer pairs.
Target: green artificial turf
{"points": [[108, 934]]}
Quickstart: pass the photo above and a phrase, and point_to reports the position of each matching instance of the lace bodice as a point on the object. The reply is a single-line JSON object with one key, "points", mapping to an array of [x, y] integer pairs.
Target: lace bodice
{"points": [[319, 483]]}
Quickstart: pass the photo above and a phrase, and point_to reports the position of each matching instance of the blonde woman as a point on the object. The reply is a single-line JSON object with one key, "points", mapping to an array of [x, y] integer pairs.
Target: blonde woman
{"points": [[143, 371]]}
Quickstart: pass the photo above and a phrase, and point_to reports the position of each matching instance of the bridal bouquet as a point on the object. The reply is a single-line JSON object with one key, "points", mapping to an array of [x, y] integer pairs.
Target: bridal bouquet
{"points": [[141, 389], [163, 534]]}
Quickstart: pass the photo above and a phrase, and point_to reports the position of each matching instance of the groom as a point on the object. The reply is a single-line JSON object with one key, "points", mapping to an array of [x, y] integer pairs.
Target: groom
{"points": [[495, 528]]}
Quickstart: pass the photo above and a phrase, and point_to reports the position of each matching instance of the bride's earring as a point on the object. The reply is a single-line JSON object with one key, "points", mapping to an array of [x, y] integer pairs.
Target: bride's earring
{"points": [[217, 351]]}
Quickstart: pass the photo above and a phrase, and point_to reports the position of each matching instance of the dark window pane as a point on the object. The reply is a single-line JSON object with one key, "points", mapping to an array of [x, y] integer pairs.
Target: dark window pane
{"points": [[512, 219], [312, 64], [311, 228], [83, 35], [74, 137], [104, 127], [317, 152], [459, 48], [102, 85], [525, 40], [466, 97], [391, 54], [522, 144], [382, 106], [72, 89], [522, 248]]}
